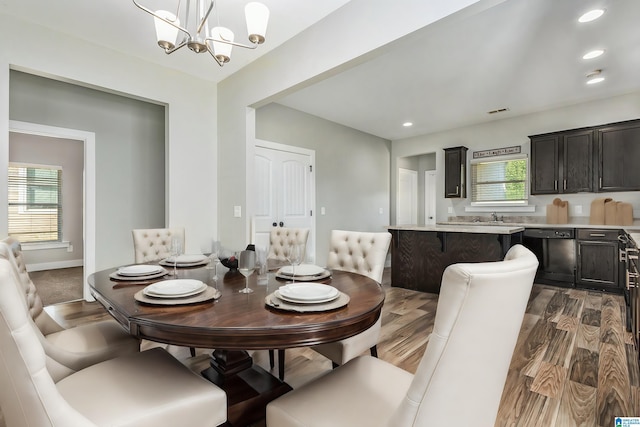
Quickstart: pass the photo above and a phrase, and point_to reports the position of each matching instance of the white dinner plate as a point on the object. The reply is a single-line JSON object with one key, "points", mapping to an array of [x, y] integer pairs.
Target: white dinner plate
{"points": [[307, 292], [302, 270], [187, 259], [175, 288], [318, 301], [140, 270]]}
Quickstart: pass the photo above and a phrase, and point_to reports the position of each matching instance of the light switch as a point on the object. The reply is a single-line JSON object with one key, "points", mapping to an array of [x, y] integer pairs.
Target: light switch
{"points": [[323, 211], [237, 211], [450, 209], [578, 209], [381, 211]]}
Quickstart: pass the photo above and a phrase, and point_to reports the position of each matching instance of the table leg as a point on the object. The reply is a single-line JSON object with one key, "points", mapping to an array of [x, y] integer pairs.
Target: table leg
{"points": [[249, 387]]}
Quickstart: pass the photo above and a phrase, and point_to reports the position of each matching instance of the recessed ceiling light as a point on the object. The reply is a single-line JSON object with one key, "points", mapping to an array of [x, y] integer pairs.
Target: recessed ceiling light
{"points": [[592, 15], [595, 77], [407, 124], [593, 54]]}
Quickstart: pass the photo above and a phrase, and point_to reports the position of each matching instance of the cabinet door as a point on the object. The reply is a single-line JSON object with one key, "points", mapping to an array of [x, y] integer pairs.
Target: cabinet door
{"points": [[544, 164], [619, 148], [577, 161], [455, 161], [597, 264]]}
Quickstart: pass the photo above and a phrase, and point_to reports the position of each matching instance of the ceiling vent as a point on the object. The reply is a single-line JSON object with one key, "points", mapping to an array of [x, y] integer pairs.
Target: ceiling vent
{"points": [[499, 110]]}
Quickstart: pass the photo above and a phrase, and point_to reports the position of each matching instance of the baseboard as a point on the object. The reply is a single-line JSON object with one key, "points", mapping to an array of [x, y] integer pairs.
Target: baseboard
{"points": [[55, 265]]}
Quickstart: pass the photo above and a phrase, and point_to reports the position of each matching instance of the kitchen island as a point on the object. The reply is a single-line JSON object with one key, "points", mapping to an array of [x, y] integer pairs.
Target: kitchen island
{"points": [[419, 254]]}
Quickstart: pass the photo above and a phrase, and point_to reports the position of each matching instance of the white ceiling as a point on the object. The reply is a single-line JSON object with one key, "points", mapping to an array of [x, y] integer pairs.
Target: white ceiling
{"points": [[524, 55]]}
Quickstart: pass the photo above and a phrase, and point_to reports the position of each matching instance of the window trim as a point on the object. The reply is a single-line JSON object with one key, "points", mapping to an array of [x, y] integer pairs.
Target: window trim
{"points": [[505, 203]]}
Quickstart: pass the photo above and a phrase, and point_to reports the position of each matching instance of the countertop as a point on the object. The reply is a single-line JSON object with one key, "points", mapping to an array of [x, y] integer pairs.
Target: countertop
{"points": [[635, 227], [462, 228]]}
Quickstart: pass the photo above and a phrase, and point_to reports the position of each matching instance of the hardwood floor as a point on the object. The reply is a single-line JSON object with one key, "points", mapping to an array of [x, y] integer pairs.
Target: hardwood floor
{"points": [[574, 363]]}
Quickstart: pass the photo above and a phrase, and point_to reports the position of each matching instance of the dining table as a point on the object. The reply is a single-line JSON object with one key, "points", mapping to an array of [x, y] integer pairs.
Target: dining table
{"points": [[234, 322]]}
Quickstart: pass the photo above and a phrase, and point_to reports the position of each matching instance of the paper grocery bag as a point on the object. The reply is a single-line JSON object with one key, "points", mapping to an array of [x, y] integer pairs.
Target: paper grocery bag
{"points": [[610, 212], [596, 215], [624, 214], [563, 212], [552, 214]]}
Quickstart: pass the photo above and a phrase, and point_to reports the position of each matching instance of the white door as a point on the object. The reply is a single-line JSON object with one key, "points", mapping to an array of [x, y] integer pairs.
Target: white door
{"points": [[283, 194], [407, 206], [429, 197]]}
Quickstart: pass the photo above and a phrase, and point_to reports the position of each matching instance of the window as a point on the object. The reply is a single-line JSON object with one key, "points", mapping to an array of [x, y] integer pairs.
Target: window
{"points": [[35, 203], [500, 181]]}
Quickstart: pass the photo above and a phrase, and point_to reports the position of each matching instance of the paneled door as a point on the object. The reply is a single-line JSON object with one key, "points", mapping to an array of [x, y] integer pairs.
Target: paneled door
{"points": [[407, 207], [284, 194]]}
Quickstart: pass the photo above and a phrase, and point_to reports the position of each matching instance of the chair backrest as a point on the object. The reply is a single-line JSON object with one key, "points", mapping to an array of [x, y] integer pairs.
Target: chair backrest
{"points": [[463, 371], [281, 238], [359, 252], [28, 395], [11, 250], [154, 244]]}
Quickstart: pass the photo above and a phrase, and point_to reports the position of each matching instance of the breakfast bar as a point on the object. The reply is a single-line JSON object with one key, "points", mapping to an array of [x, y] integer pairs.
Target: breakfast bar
{"points": [[419, 254]]}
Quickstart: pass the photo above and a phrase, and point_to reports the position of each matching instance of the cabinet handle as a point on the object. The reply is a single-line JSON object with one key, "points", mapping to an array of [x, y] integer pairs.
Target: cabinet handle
{"points": [[457, 190], [564, 184], [597, 234], [600, 181], [555, 185]]}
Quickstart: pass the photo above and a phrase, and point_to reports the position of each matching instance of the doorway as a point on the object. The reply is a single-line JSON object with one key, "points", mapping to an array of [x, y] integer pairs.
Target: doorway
{"points": [[283, 192], [407, 207], [87, 139]]}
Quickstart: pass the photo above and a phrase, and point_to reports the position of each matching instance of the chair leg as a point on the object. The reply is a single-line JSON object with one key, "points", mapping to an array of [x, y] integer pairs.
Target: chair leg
{"points": [[374, 351], [192, 351], [271, 362], [281, 365]]}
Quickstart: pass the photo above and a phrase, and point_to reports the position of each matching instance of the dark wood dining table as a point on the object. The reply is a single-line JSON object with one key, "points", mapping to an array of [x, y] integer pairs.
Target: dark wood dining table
{"points": [[237, 322]]}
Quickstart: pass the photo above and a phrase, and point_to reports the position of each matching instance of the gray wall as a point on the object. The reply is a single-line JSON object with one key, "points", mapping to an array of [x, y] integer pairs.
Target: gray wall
{"points": [[69, 155], [352, 170], [130, 154]]}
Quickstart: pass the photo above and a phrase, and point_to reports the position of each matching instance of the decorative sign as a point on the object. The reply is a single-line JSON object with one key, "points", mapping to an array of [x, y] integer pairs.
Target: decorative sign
{"points": [[496, 152]]}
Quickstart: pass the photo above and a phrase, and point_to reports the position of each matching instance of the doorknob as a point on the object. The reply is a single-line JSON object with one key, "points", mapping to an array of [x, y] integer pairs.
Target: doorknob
{"points": [[281, 224], [275, 224]]}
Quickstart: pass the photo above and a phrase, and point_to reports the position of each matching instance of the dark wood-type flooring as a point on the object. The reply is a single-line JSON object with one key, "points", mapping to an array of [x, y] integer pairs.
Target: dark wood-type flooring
{"points": [[574, 363]]}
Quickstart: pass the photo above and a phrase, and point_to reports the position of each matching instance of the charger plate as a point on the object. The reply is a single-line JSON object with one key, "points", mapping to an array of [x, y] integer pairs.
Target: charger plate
{"points": [[208, 295], [273, 301]]}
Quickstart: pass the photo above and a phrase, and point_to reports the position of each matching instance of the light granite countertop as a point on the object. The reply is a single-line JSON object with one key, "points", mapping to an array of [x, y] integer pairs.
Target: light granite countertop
{"points": [[635, 227], [462, 228]]}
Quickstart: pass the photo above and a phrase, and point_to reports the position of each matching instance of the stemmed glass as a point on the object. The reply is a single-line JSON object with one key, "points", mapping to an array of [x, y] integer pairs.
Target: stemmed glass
{"points": [[176, 251], [294, 255], [246, 265]]}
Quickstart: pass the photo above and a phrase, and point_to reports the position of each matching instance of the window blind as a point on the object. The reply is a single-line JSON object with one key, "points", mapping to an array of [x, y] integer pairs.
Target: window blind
{"points": [[499, 181], [35, 203]]}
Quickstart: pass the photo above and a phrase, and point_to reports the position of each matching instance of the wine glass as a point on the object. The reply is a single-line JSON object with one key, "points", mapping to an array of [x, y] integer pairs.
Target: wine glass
{"points": [[294, 255], [246, 265], [176, 251]]}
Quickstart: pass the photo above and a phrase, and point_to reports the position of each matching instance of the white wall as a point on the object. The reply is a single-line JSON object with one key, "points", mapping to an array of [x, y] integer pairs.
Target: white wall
{"points": [[351, 175], [190, 128], [515, 131]]}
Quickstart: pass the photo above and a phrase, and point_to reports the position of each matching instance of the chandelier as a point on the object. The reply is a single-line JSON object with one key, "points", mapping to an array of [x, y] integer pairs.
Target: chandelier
{"points": [[193, 24]]}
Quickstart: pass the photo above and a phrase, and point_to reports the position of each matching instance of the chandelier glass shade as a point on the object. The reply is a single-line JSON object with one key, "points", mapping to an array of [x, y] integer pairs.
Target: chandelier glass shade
{"points": [[191, 21]]}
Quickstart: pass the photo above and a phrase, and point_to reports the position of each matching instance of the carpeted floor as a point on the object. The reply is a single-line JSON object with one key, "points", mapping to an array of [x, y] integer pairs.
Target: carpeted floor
{"points": [[60, 285]]}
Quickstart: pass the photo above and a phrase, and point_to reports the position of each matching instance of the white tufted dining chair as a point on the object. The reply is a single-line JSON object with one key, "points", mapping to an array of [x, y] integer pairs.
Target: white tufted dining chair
{"points": [[281, 238], [363, 253], [67, 350], [154, 244], [141, 389], [461, 376]]}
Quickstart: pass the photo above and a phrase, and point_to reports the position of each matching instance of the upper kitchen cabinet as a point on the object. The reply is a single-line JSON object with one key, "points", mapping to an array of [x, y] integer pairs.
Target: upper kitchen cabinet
{"points": [[562, 162], [455, 176], [619, 156]]}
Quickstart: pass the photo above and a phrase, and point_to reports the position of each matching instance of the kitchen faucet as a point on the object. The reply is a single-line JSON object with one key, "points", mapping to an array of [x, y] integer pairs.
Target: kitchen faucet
{"points": [[494, 217]]}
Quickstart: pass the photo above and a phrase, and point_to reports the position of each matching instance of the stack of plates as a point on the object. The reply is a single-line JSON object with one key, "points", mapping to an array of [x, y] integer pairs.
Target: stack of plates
{"points": [[175, 288], [139, 272], [307, 293], [186, 260], [304, 272]]}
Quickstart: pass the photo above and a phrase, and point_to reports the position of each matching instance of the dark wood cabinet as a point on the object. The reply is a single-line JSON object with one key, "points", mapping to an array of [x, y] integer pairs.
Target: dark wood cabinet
{"points": [[544, 164], [619, 156], [562, 162], [598, 262], [455, 176]]}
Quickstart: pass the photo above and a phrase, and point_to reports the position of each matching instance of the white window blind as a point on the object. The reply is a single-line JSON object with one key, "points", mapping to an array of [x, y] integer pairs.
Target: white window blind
{"points": [[499, 181], [35, 203]]}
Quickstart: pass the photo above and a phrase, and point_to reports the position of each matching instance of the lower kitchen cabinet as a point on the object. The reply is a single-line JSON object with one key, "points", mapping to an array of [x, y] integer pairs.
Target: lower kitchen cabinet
{"points": [[598, 260]]}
